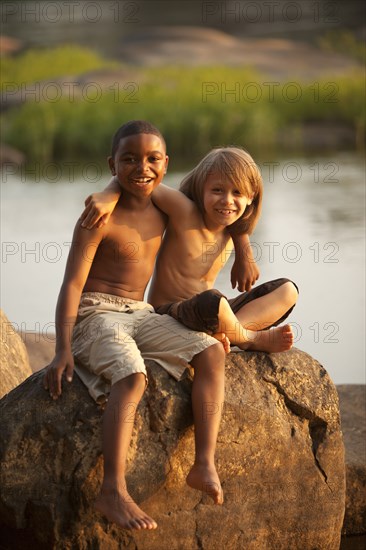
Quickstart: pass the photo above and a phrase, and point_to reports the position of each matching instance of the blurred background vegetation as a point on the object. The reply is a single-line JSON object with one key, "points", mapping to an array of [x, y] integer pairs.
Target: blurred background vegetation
{"points": [[79, 124]]}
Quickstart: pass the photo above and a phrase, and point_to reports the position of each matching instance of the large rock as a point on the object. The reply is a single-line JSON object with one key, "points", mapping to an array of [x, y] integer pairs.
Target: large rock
{"points": [[280, 457], [197, 46], [353, 420], [13, 357]]}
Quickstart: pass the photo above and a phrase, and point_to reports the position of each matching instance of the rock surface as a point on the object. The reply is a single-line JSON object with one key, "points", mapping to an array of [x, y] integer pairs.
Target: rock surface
{"points": [[13, 357], [9, 45], [280, 458], [188, 45], [353, 419], [9, 155], [352, 402]]}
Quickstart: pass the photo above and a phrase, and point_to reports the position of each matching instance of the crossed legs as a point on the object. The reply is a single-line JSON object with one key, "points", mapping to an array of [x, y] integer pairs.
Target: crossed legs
{"points": [[245, 328]]}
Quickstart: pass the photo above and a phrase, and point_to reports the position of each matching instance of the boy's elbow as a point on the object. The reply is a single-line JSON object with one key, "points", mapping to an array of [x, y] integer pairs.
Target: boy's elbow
{"points": [[72, 286]]}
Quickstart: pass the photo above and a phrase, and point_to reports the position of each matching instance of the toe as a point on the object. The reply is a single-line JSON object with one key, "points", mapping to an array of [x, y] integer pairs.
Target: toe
{"points": [[152, 523], [134, 524]]}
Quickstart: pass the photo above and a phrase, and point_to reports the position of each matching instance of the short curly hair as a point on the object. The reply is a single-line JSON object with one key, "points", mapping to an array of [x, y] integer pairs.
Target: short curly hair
{"points": [[132, 128]]}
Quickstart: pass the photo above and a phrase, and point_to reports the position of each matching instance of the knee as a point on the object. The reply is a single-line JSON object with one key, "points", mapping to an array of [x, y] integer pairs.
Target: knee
{"points": [[209, 299], [212, 293], [290, 293], [224, 307], [138, 381], [212, 357], [133, 383], [216, 355], [219, 351]]}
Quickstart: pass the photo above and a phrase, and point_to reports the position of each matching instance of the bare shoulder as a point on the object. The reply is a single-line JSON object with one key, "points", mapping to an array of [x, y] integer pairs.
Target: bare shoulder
{"points": [[83, 237], [173, 203], [84, 246]]}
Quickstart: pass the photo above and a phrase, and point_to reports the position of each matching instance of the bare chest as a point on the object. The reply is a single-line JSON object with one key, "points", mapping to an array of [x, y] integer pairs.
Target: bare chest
{"points": [[125, 244], [204, 254]]}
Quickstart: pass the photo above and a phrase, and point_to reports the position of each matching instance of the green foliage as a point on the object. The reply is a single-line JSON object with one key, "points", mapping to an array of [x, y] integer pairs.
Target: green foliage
{"points": [[196, 108], [41, 64]]}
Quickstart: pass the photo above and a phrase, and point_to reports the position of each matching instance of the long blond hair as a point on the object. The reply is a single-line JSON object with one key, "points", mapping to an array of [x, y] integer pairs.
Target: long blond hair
{"points": [[236, 165]]}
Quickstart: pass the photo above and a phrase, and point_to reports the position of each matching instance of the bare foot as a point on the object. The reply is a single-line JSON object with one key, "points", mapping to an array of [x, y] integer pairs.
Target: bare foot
{"points": [[272, 340], [205, 478], [119, 508], [221, 337]]}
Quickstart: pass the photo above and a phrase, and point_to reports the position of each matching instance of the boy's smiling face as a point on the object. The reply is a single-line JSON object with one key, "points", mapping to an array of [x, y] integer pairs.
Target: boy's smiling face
{"points": [[223, 202], [140, 163]]}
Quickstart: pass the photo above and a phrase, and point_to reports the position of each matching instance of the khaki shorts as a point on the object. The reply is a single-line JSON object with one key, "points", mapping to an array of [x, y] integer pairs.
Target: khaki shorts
{"points": [[113, 336]]}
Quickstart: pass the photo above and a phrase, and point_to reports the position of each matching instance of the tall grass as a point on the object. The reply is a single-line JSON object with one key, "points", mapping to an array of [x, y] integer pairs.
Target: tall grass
{"points": [[195, 108], [41, 64]]}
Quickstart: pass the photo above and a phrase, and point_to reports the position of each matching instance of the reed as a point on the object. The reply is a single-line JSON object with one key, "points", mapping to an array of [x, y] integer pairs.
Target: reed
{"points": [[196, 108]]}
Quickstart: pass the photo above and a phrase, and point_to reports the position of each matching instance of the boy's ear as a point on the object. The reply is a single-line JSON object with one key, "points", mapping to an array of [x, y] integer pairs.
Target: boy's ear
{"points": [[250, 199], [166, 163], [111, 166]]}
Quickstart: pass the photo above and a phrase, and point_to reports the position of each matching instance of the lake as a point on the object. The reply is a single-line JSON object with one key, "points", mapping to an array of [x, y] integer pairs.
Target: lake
{"points": [[311, 231]]}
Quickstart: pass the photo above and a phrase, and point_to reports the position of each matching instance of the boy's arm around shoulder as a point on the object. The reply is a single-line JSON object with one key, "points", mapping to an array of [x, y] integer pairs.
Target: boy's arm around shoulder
{"points": [[83, 249], [99, 206], [244, 272], [173, 203]]}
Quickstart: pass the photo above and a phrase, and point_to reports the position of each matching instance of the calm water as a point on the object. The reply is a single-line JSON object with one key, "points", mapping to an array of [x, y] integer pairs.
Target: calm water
{"points": [[311, 230]]}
